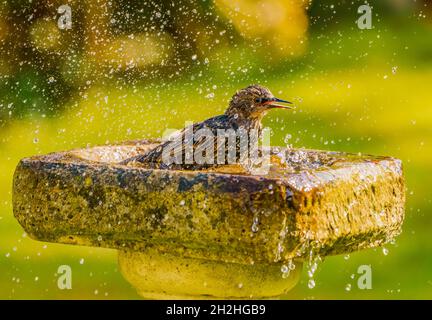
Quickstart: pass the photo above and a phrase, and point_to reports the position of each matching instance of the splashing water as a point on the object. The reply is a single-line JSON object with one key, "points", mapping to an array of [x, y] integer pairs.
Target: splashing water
{"points": [[287, 268], [311, 283], [291, 265], [255, 223], [285, 271], [287, 138], [314, 260]]}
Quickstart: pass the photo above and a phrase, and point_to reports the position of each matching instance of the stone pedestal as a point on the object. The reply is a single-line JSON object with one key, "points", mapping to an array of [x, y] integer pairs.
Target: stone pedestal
{"points": [[211, 233]]}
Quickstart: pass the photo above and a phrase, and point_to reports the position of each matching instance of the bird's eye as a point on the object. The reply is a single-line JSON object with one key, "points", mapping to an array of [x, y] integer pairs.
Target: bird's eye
{"points": [[261, 100]]}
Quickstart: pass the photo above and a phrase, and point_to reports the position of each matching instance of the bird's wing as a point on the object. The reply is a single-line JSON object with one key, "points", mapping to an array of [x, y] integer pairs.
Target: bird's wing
{"points": [[178, 145]]}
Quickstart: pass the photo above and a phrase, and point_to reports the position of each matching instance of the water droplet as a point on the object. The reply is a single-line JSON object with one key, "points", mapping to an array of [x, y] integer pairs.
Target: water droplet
{"points": [[36, 140], [182, 203], [255, 223], [311, 283], [287, 138], [385, 251], [346, 257], [394, 69], [348, 287], [194, 57], [291, 265], [36, 279], [99, 238], [81, 261], [240, 285], [286, 269], [211, 95], [312, 269]]}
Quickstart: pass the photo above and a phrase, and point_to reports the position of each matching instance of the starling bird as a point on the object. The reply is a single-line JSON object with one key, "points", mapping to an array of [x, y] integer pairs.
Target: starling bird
{"points": [[245, 111]]}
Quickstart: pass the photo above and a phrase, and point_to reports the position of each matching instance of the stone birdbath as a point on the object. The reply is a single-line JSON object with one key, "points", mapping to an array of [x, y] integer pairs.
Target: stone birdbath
{"points": [[198, 234]]}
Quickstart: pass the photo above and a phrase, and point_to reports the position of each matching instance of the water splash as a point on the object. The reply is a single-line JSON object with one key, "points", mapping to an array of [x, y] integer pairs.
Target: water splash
{"points": [[311, 283], [255, 224], [287, 268], [313, 249]]}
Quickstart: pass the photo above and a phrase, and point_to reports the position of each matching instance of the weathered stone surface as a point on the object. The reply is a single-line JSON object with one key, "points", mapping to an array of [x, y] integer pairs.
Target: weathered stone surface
{"points": [[327, 202]]}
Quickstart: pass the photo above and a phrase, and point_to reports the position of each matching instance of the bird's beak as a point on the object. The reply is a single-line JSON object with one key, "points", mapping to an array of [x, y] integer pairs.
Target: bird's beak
{"points": [[278, 103]]}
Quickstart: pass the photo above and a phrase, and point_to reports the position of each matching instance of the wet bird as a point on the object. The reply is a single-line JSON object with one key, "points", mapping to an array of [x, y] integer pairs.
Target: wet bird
{"points": [[246, 109]]}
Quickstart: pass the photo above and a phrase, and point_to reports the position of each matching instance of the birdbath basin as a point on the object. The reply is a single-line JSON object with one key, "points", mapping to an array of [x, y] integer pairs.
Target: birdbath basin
{"points": [[196, 234]]}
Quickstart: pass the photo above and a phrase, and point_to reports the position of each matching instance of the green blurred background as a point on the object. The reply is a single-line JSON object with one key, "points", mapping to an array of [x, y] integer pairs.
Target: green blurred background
{"points": [[131, 69]]}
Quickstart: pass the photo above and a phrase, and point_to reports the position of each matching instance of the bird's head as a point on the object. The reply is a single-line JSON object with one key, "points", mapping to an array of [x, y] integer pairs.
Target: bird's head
{"points": [[253, 102]]}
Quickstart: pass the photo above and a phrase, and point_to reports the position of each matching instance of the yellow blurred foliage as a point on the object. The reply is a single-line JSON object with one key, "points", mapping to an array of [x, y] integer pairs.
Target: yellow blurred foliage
{"points": [[45, 35], [3, 30], [283, 23], [138, 51]]}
